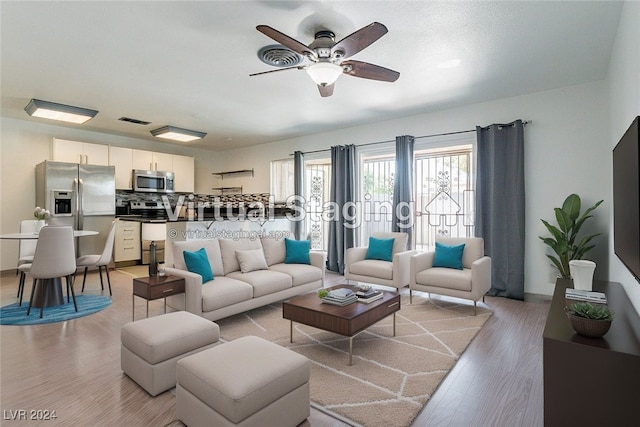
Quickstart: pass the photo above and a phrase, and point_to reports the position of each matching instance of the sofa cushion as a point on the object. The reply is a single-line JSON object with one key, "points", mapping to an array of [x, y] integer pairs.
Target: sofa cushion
{"points": [[223, 292], [448, 256], [197, 262], [274, 250], [301, 274], [297, 251], [381, 249], [264, 282], [251, 260], [473, 250], [399, 245], [228, 248], [373, 268], [210, 245], [445, 278]]}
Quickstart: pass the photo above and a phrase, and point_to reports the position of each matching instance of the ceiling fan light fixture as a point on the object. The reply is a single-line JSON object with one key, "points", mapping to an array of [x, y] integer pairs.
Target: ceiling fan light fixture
{"points": [[60, 112], [324, 73], [177, 134]]}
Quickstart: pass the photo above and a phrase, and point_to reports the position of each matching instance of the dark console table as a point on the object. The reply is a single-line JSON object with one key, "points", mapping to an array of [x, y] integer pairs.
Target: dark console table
{"points": [[587, 381]]}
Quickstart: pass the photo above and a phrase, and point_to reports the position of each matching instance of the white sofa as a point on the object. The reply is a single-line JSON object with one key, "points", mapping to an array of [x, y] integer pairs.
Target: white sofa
{"points": [[232, 291]]}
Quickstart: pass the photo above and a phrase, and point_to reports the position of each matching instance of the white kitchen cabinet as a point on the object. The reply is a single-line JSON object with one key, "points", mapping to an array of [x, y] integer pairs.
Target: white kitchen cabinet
{"points": [[150, 160], [183, 167], [142, 159], [80, 152], [122, 159], [127, 241]]}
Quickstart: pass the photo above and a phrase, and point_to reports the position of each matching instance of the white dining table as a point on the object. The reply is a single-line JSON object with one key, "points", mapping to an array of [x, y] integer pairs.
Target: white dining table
{"points": [[32, 235], [55, 296]]}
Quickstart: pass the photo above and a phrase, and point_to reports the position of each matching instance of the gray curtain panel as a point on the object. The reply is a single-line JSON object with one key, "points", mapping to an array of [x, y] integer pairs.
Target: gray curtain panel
{"points": [[298, 188], [500, 203], [342, 234], [403, 188]]}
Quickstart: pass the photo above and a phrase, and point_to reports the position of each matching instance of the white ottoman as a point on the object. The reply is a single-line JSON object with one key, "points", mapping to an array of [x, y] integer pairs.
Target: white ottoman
{"points": [[245, 382], [150, 348]]}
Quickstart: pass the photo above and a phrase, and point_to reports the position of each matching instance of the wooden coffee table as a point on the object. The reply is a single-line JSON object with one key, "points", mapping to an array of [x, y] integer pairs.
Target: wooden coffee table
{"points": [[348, 321]]}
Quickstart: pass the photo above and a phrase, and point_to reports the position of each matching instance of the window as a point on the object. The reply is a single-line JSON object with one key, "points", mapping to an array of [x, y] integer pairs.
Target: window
{"points": [[317, 181], [317, 187], [444, 203], [282, 179], [444, 194]]}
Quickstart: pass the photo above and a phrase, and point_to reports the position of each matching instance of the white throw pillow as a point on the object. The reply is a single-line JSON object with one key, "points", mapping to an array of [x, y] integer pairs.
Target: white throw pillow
{"points": [[251, 260]]}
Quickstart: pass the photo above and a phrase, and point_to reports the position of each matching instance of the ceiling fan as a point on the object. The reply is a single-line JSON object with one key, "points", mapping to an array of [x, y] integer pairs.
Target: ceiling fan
{"points": [[327, 56]]}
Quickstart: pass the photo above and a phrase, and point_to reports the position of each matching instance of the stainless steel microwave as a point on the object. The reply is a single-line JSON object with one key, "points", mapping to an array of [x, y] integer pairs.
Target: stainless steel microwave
{"points": [[153, 181]]}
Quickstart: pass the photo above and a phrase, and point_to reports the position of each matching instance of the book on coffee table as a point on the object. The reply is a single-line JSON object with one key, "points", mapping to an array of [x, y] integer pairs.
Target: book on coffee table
{"points": [[339, 301], [370, 297]]}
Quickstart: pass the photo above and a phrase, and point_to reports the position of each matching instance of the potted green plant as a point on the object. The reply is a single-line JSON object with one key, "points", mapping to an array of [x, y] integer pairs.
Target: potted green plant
{"points": [[564, 237], [590, 320]]}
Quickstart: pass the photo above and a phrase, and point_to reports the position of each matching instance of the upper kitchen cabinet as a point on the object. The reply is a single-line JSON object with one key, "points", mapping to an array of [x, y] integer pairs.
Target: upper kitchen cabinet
{"points": [[183, 167], [149, 160], [80, 152], [122, 159]]}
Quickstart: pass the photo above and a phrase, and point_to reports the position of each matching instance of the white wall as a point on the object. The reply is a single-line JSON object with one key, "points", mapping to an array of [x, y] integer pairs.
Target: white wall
{"points": [[24, 144], [565, 148], [623, 83]]}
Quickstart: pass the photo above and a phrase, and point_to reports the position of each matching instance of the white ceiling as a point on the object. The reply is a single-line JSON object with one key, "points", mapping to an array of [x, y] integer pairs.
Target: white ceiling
{"points": [[188, 63]]}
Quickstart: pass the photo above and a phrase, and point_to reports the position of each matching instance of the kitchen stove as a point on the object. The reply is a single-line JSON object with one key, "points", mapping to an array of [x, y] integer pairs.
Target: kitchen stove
{"points": [[148, 209]]}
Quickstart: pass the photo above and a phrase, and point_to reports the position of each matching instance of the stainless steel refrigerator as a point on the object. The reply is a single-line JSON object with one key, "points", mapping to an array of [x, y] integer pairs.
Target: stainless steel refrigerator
{"points": [[82, 196]]}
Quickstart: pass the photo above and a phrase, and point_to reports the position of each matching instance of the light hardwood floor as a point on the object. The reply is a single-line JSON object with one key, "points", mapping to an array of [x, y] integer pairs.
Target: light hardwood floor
{"points": [[73, 368]]}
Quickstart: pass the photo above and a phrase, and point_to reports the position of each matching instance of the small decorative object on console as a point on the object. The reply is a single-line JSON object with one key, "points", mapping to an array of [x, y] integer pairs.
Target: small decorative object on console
{"points": [[590, 320]]}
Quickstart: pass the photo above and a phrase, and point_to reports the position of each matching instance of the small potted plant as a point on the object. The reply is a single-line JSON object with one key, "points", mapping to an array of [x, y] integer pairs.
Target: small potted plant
{"points": [[590, 320], [322, 293]]}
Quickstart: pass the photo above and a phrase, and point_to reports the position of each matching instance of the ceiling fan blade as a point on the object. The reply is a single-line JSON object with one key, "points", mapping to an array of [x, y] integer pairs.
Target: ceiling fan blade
{"points": [[285, 40], [362, 38], [297, 67], [326, 90], [369, 71]]}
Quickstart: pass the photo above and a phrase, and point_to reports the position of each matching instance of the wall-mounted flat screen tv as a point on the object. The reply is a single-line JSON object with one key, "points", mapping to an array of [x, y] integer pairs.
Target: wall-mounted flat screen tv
{"points": [[626, 199]]}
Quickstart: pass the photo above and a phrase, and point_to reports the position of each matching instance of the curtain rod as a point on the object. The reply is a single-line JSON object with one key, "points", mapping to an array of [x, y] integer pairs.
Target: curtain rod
{"points": [[524, 122]]}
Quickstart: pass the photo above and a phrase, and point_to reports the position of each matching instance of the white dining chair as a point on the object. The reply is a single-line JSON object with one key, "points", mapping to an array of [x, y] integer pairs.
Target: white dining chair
{"points": [[101, 260], [26, 249], [54, 258]]}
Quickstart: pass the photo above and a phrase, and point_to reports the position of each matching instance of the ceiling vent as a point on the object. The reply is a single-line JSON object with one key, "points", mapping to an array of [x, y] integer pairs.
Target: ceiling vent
{"points": [[134, 121], [279, 56]]}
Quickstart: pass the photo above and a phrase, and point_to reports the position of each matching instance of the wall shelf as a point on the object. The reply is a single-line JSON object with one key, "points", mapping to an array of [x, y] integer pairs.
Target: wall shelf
{"points": [[236, 172], [228, 190]]}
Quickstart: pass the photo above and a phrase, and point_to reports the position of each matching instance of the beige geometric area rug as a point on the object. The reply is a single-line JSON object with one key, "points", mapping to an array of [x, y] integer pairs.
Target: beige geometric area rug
{"points": [[392, 378]]}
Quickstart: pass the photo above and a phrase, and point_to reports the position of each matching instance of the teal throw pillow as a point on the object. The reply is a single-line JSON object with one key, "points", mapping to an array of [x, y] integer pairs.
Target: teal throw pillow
{"points": [[297, 251], [381, 249], [448, 256], [197, 262]]}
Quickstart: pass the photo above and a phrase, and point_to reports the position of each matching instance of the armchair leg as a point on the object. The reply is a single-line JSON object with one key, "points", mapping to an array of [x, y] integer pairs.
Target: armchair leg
{"points": [[482, 298], [410, 296], [474, 308]]}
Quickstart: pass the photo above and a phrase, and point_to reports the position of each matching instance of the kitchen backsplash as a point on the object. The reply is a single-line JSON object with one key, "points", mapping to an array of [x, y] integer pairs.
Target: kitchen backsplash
{"points": [[124, 197]]}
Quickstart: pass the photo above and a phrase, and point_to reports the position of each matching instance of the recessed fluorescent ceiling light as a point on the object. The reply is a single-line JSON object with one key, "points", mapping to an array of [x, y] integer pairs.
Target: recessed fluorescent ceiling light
{"points": [[452, 63], [61, 112], [177, 134]]}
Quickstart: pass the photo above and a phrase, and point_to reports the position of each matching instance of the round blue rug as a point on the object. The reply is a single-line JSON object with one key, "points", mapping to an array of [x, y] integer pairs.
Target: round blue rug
{"points": [[13, 314]]}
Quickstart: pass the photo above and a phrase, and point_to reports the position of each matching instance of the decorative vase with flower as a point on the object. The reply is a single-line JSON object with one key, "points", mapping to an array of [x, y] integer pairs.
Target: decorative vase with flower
{"points": [[41, 215]]}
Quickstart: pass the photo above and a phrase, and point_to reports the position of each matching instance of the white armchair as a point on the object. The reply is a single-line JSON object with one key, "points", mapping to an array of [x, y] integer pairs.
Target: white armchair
{"points": [[472, 282], [394, 273]]}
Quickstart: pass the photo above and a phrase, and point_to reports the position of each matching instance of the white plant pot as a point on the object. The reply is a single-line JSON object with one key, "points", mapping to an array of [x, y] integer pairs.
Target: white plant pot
{"points": [[582, 273], [38, 225]]}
